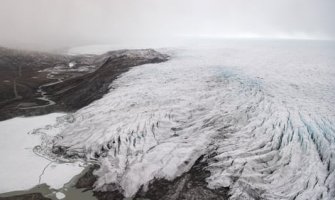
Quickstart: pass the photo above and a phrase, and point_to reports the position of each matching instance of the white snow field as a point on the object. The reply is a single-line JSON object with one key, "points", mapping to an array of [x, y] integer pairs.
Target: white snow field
{"points": [[265, 109], [21, 168]]}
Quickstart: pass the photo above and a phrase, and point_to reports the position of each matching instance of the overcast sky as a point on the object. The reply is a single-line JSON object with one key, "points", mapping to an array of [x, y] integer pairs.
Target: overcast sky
{"points": [[77, 22]]}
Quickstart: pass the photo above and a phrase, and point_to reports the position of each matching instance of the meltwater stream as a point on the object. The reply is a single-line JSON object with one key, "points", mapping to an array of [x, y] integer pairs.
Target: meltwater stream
{"points": [[264, 109]]}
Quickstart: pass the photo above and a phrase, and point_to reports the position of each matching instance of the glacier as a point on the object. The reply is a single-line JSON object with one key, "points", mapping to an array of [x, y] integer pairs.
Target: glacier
{"points": [[264, 110]]}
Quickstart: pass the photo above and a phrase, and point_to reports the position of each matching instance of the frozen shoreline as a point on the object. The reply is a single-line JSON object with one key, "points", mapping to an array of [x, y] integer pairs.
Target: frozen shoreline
{"points": [[21, 168]]}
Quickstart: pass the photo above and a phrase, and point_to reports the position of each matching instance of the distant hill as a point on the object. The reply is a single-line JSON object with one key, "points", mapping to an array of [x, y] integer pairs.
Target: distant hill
{"points": [[29, 79]]}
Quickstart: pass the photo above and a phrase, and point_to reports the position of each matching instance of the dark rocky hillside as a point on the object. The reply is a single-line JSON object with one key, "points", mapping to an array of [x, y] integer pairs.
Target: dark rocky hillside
{"points": [[34, 83]]}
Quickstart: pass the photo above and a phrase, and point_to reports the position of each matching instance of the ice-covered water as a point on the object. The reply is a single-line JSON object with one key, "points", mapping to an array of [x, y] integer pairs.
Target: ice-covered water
{"points": [[21, 169], [264, 109]]}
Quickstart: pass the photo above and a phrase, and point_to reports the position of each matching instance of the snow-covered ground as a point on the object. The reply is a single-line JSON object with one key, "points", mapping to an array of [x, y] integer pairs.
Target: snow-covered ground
{"points": [[21, 168], [264, 108]]}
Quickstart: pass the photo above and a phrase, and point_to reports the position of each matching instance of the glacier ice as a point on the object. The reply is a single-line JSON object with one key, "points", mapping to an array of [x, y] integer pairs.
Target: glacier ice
{"points": [[264, 109]]}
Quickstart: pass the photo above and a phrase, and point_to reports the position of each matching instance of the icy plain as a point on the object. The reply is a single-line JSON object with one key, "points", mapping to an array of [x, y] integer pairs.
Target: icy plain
{"points": [[265, 109]]}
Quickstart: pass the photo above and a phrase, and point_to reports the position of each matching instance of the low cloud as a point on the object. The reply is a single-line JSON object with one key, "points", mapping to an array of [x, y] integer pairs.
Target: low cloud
{"points": [[77, 22]]}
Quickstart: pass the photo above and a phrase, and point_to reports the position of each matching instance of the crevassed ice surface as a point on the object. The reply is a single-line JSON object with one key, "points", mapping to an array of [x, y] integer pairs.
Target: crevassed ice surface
{"points": [[264, 109]]}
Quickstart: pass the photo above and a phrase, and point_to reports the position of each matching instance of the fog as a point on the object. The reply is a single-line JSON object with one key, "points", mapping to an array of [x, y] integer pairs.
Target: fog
{"points": [[64, 23]]}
